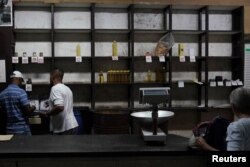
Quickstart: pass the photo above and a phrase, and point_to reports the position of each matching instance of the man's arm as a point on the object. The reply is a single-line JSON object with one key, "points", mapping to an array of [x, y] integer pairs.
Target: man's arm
{"points": [[27, 109], [58, 103], [55, 110]]}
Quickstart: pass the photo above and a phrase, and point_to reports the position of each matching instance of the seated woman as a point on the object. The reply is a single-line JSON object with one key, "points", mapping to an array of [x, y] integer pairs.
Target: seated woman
{"points": [[238, 132]]}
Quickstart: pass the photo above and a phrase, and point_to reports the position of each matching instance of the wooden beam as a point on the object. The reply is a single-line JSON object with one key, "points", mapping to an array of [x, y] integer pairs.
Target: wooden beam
{"points": [[197, 2], [177, 2], [247, 19]]}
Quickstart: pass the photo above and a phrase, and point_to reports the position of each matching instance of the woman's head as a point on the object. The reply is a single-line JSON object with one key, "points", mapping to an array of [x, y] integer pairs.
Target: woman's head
{"points": [[240, 100]]}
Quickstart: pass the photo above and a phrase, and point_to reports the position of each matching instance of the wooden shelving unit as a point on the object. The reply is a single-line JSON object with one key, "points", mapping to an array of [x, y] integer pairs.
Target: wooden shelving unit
{"points": [[131, 35]]}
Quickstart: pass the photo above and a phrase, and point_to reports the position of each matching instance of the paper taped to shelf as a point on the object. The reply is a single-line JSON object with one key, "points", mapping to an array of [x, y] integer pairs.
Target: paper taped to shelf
{"points": [[78, 59], [40, 60], [34, 59], [3, 72], [149, 59], [220, 83], [15, 60], [25, 60], [182, 59], [181, 84], [228, 83], [162, 58]]}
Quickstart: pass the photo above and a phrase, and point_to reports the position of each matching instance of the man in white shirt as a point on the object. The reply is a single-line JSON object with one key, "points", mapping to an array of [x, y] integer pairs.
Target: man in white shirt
{"points": [[63, 121]]}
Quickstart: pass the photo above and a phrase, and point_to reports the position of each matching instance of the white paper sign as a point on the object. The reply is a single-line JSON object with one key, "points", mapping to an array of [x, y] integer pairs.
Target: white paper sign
{"points": [[34, 59], [149, 59], [228, 83], [213, 84], [25, 60], [15, 60], [162, 58], [220, 83], [28, 87], [78, 59], [240, 83], [182, 59], [40, 60], [3, 71], [192, 59], [191, 55], [115, 58], [234, 83], [181, 84]]}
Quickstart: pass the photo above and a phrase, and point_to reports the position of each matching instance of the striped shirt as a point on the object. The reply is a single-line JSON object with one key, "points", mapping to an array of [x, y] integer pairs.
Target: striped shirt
{"points": [[12, 99]]}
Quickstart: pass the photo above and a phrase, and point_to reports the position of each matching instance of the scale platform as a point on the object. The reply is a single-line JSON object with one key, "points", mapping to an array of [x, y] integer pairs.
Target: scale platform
{"points": [[149, 137]]}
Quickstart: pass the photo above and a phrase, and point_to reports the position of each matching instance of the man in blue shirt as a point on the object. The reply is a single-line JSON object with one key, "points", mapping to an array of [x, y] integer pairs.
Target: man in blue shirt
{"points": [[15, 103]]}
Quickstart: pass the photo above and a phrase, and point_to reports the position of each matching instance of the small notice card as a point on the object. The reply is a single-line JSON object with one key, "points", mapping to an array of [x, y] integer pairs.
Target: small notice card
{"points": [[228, 83], [115, 58], [15, 60], [212, 83], [181, 84], [5, 137], [25, 60], [191, 54], [78, 59], [220, 83], [40, 60], [162, 58], [28, 87], [182, 59], [149, 59]]}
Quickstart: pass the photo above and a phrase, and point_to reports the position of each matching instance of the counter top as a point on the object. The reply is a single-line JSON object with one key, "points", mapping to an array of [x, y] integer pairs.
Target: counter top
{"points": [[87, 145]]}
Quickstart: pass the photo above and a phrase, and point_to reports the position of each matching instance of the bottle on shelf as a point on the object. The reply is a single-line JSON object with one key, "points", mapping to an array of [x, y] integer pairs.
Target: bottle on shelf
{"points": [[118, 76], [181, 49], [29, 81], [149, 76], [114, 49], [78, 50], [101, 77]]}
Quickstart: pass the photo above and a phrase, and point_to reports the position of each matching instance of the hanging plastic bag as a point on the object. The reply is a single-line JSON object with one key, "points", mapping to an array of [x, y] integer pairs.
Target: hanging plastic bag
{"points": [[164, 45]]}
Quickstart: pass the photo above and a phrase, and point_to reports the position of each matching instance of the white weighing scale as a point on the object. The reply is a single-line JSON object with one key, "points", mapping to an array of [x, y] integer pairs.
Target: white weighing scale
{"points": [[154, 97]]}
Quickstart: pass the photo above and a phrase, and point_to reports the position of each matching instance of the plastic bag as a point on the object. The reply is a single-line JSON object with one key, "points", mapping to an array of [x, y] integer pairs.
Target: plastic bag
{"points": [[164, 45]]}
